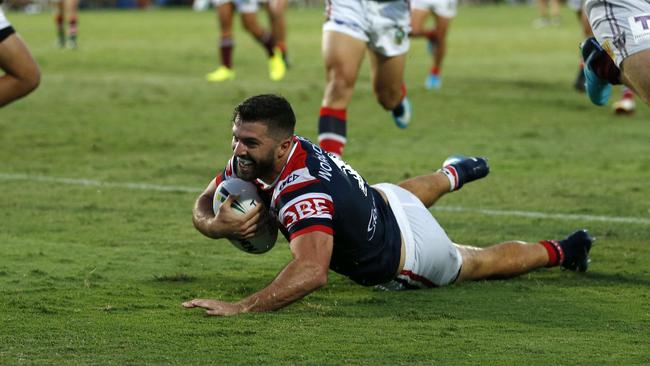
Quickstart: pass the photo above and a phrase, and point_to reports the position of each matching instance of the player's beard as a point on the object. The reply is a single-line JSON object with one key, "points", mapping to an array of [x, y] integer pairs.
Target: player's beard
{"points": [[257, 168]]}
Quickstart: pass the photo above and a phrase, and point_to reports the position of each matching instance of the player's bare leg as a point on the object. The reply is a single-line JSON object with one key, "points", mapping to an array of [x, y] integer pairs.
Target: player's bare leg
{"points": [[277, 68], [515, 258], [387, 74], [71, 7], [635, 73], [503, 260], [225, 71], [579, 83], [439, 51], [343, 56], [549, 12], [428, 188], [418, 21], [59, 18], [278, 25], [455, 172], [21, 71], [225, 13]]}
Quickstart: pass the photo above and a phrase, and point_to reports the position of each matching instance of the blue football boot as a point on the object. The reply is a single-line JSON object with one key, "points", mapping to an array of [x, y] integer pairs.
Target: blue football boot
{"points": [[402, 113], [433, 82], [597, 89]]}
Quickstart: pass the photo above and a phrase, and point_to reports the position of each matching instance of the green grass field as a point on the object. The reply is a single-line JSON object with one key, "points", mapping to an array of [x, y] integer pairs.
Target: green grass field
{"points": [[94, 263]]}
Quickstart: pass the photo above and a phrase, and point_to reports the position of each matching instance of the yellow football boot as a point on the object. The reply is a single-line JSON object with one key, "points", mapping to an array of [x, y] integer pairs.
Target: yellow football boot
{"points": [[221, 74], [277, 67]]}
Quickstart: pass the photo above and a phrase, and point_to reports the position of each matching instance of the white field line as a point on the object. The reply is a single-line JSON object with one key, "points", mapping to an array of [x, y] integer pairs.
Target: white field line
{"points": [[97, 183], [183, 189]]}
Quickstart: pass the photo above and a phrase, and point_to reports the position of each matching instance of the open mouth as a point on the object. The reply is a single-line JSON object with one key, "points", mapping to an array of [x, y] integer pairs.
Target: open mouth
{"points": [[245, 165]]}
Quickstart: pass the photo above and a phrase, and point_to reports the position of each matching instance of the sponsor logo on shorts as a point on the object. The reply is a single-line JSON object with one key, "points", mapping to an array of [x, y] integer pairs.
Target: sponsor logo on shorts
{"points": [[399, 35], [640, 26]]}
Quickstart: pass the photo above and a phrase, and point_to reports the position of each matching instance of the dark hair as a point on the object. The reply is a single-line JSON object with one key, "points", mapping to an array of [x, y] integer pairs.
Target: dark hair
{"points": [[271, 109]]}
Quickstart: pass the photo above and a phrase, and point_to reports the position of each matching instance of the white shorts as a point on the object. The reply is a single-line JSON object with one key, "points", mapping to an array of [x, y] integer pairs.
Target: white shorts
{"points": [[383, 25], [4, 23], [575, 5], [432, 260], [622, 27], [242, 6], [443, 8]]}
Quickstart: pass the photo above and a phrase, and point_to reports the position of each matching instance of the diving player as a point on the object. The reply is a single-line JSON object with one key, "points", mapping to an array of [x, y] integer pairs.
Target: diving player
{"points": [[375, 235]]}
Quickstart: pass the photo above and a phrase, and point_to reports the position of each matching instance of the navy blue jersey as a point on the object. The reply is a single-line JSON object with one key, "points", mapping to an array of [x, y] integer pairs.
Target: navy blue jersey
{"points": [[317, 191]]}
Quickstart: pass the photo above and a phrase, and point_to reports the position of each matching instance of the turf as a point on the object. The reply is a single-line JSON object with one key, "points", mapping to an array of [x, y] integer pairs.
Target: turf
{"points": [[94, 273]]}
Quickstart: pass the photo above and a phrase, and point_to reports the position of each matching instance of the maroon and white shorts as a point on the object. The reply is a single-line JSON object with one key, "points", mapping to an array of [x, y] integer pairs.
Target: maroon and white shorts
{"points": [[622, 27]]}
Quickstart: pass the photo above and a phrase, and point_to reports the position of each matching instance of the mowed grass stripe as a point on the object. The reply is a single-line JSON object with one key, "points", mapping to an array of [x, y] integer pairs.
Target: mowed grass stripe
{"points": [[482, 211]]}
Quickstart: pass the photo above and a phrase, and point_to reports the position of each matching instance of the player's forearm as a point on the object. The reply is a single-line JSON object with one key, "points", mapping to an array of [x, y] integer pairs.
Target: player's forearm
{"points": [[202, 217], [297, 280]]}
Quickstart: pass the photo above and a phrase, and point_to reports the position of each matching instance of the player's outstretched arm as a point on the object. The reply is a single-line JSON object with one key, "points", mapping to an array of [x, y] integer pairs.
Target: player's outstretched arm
{"points": [[226, 223], [306, 273]]}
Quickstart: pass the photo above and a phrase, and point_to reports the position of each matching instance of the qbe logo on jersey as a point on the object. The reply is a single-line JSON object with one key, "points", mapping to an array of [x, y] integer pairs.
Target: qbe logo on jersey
{"points": [[306, 206], [640, 26]]}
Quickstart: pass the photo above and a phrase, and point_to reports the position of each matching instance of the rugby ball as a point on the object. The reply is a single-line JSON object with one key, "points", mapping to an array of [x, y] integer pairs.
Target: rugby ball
{"points": [[267, 231]]}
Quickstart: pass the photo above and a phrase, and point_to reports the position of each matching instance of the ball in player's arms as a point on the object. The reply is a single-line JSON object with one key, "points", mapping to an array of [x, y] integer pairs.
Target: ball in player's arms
{"points": [[247, 199]]}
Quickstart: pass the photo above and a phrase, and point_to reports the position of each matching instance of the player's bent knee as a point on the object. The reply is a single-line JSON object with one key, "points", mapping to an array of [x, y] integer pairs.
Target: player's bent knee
{"points": [[389, 99], [33, 81]]}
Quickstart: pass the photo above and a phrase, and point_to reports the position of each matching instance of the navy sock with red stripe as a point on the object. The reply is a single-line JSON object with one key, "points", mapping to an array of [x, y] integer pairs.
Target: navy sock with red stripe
{"points": [[460, 170]]}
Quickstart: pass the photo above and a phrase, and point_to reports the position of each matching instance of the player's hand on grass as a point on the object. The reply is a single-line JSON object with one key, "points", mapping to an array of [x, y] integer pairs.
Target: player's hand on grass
{"points": [[215, 307], [233, 225]]}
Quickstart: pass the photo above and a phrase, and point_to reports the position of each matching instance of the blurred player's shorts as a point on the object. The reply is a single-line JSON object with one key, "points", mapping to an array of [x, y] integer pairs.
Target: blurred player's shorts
{"points": [[242, 6], [443, 8], [383, 25], [622, 27]]}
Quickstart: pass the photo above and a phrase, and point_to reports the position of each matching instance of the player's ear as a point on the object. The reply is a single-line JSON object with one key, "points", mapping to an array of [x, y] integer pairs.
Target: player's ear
{"points": [[285, 146]]}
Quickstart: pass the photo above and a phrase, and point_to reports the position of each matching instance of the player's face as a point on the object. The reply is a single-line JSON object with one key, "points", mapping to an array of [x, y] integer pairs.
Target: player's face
{"points": [[255, 151]]}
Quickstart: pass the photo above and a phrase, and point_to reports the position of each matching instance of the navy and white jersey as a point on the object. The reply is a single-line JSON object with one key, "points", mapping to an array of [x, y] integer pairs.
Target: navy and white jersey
{"points": [[317, 191]]}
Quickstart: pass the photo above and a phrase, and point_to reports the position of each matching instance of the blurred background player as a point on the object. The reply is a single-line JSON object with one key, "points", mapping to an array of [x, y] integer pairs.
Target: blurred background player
{"points": [[443, 11], [351, 28], [276, 9], [578, 7], [549, 13], [248, 9], [66, 9], [620, 51], [625, 106], [22, 75]]}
